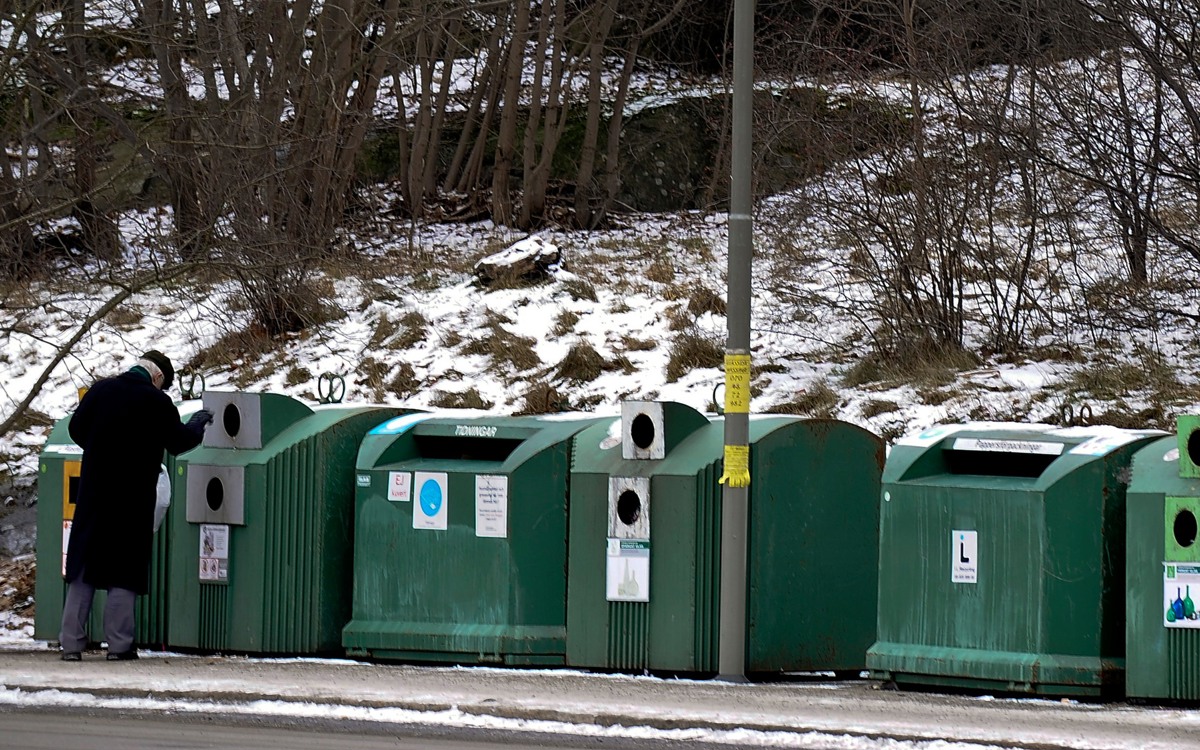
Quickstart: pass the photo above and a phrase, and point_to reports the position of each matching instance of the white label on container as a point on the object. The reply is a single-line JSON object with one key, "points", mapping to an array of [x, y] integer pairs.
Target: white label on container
{"points": [[1000, 445], [1179, 609], [628, 570], [491, 505], [214, 552], [399, 486], [964, 556], [429, 510]]}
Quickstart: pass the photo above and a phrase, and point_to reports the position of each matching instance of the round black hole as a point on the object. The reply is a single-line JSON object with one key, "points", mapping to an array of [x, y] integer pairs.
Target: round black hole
{"points": [[232, 419], [629, 507], [1185, 528], [642, 431], [1193, 447], [215, 493]]}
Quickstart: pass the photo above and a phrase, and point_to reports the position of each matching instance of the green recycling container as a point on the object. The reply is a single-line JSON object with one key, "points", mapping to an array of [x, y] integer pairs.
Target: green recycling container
{"points": [[1162, 568], [263, 535], [645, 538], [58, 481], [1002, 559], [460, 546]]}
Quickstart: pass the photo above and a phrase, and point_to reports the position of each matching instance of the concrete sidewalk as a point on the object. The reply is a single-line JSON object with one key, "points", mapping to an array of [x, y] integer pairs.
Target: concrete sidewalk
{"points": [[857, 708]]}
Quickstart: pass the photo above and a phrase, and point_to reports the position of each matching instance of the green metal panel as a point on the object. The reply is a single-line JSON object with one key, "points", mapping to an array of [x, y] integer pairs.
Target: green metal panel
{"points": [[814, 546], [1188, 436], [1162, 662], [60, 458], [49, 588], [452, 594], [811, 559], [289, 552], [1038, 606]]}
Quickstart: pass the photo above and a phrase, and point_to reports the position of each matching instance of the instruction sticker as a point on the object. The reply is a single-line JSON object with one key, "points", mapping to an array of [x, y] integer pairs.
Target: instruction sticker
{"points": [[964, 557], [628, 570], [1179, 608], [399, 489], [214, 553], [429, 510], [491, 505]]}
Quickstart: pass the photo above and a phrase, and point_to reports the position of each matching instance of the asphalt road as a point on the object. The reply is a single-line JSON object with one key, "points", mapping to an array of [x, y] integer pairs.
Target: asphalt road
{"points": [[476, 701], [78, 729]]}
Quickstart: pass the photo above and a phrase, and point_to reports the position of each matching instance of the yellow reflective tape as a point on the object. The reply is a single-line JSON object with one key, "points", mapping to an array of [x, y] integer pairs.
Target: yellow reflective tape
{"points": [[737, 466], [737, 383]]}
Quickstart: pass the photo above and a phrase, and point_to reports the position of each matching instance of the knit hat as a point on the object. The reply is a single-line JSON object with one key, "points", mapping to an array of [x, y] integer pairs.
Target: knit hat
{"points": [[161, 361]]}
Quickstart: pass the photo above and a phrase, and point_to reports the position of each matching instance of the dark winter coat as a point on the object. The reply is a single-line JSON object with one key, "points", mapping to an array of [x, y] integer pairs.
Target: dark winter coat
{"points": [[123, 425]]}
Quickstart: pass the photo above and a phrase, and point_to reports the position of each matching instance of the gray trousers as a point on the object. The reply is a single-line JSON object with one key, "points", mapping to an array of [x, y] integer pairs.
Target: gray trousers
{"points": [[118, 617]]}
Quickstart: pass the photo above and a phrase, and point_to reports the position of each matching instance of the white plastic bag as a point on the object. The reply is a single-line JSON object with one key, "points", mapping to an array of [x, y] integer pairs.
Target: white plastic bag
{"points": [[164, 497]]}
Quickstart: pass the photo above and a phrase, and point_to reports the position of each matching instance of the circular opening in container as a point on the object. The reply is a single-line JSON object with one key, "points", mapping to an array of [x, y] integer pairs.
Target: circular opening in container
{"points": [[1185, 528], [642, 431], [629, 507], [214, 493], [232, 420], [1193, 447]]}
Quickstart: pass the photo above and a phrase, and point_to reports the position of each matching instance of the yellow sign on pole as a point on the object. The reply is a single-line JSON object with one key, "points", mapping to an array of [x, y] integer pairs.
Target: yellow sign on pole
{"points": [[737, 383], [737, 466]]}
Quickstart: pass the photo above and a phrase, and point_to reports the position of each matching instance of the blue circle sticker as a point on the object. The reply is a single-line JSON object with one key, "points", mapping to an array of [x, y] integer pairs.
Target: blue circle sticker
{"points": [[431, 497]]}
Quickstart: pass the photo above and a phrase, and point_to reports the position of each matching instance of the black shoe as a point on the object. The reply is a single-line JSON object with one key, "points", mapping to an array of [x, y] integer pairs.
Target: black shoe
{"points": [[72, 656], [129, 655]]}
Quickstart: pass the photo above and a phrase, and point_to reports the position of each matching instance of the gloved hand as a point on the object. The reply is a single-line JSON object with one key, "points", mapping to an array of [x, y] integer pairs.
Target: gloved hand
{"points": [[200, 420]]}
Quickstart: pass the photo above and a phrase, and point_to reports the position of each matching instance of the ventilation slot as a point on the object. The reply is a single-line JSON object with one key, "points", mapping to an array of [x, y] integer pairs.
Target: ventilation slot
{"points": [[214, 617], [628, 635]]}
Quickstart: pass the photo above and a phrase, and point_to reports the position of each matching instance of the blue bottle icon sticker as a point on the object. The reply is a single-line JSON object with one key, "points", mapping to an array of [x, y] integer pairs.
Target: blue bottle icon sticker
{"points": [[1177, 606], [429, 510]]}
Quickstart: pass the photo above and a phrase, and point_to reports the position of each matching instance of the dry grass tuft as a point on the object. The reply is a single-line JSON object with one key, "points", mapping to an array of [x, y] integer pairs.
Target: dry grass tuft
{"points": [[583, 364], [703, 300], [468, 399], [923, 364], [581, 290], [505, 347], [661, 272], [691, 350], [564, 323], [543, 398], [818, 400]]}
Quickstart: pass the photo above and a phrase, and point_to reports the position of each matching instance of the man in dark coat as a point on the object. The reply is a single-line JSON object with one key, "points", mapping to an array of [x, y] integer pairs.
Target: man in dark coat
{"points": [[123, 424]]}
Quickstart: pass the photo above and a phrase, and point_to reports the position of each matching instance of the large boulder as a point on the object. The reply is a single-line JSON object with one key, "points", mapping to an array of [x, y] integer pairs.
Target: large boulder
{"points": [[530, 260]]}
